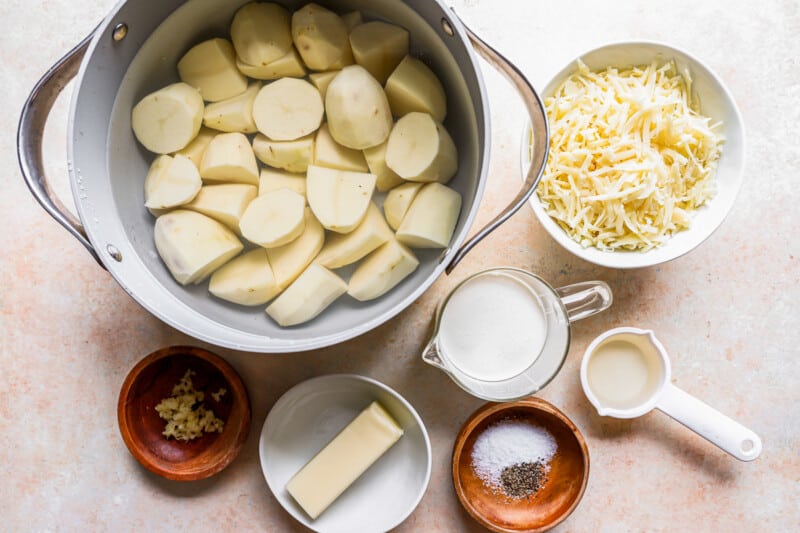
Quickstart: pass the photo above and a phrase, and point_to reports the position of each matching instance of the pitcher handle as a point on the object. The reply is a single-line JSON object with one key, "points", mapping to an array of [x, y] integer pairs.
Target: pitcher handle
{"points": [[585, 299], [540, 137], [31, 133]]}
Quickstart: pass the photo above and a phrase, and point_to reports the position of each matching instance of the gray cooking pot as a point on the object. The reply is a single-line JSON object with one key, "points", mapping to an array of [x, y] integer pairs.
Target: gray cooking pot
{"points": [[133, 52]]}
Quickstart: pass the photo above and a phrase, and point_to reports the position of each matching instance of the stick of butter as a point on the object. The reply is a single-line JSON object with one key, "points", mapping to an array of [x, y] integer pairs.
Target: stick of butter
{"points": [[344, 459]]}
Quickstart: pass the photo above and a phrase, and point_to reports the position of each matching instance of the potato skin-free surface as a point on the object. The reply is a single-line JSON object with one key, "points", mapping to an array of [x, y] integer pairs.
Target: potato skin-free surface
{"points": [[358, 111]]}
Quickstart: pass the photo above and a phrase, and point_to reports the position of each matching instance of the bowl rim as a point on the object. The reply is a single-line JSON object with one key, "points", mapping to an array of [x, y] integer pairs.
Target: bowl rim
{"points": [[286, 396], [239, 392], [631, 260], [490, 409]]}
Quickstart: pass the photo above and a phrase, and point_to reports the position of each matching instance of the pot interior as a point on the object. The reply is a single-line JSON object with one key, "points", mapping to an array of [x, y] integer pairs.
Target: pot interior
{"points": [[110, 166]]}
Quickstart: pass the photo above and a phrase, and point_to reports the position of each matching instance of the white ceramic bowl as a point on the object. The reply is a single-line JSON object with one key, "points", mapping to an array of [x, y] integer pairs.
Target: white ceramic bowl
{"points": [[715, 102], [312, 413]]}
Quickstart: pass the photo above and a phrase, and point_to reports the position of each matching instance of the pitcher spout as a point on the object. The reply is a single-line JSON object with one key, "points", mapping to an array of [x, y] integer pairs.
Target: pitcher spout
{"points": [[431, 354]]}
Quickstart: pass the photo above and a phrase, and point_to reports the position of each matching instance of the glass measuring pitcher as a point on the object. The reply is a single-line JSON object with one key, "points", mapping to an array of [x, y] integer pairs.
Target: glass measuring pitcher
{"points": [[503, 334]]}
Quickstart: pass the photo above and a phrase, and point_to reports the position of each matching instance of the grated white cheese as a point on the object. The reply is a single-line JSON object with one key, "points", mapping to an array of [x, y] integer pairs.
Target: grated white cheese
{"points": [[630, 157]]}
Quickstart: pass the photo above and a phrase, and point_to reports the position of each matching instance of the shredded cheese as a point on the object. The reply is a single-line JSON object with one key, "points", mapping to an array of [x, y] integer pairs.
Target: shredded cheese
{"points": [[631, 158]]}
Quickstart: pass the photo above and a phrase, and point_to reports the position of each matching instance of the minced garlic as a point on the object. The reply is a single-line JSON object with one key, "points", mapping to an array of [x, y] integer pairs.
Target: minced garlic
{"points": [[187, 417], [630, 157]]}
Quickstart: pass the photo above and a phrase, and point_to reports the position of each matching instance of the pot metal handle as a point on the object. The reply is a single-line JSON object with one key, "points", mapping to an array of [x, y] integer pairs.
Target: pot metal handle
{"points": [[31, 133], [540, 137]]}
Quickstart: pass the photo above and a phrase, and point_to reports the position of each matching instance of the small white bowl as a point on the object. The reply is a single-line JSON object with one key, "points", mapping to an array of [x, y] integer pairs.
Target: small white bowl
{"points": [[715, 102], [310, 415]]}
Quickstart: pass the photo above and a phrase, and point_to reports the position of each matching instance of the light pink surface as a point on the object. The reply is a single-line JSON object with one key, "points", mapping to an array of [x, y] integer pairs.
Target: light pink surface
{"points": [[727, 313]]}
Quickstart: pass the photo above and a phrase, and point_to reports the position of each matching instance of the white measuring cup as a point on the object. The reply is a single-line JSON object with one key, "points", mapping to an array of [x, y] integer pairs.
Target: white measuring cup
{"points": [[625, 373]]}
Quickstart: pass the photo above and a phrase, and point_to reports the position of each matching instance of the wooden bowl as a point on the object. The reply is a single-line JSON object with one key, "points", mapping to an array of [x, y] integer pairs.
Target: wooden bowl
{"points": [[152, 380], [561, 493]]}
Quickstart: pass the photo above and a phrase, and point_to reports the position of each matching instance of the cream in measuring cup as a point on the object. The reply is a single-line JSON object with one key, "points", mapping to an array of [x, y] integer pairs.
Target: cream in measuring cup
{"points": [[625, 373], [503, 333]]}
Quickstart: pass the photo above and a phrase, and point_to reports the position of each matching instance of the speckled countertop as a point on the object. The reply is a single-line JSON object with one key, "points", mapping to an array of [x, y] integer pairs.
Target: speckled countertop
{"points": [[727, 312]]}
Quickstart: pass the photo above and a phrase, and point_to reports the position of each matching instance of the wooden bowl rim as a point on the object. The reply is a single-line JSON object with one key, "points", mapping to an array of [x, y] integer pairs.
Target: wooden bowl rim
{"points": [[239, 392], [492, 408]]}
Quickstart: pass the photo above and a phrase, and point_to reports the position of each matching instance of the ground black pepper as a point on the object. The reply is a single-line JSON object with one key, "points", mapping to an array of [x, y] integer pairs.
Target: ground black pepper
{"points": [[523, 479]]}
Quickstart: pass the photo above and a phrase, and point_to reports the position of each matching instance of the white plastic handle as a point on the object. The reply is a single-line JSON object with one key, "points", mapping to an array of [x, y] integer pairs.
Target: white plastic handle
{"points": [[704, 420]]}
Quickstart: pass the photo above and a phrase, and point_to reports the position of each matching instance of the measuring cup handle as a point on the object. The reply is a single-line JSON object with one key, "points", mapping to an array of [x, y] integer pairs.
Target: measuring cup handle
{"points": [[706, 421], [585, 299]]}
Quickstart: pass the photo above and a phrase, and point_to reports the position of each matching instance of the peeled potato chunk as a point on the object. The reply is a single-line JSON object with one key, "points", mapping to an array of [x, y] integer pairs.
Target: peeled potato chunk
{"points": [[358, 112], [328, 153], [273, 179], [225, 203], [168, 119], [420, 149], [261, 32], [432, 217], [210, 67], [287, 66], [195, 149], [246, 280], [414, 87], [229, 158], [274, 219], [352, 19], [288, 109], [320, 36], [381, 271], [193, 245], [233, 114], [171, 181], [343, 249], [290, 260], [339, 198], [309, 295], [376, 161], [321, 80], [397, 202], [379, 47], [294, 156]]}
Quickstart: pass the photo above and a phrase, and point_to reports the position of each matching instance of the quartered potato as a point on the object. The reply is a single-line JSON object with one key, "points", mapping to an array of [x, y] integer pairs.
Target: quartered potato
{"points": [[414, 87], [381, 271], [321, 80], [290, 260], [294, 156], [431, 219], [339, 198], [225, 203], [320, 36], [288, 109], [171, 181], [420, 149], [273, 179], [309, 295], [289, 65], [379, 47], [233, 114], [193, 245], [210, 67], [376, 160], [168, 119], [328, 153], [352, 19], [397, 202], [229, 158], [274, 219], [246, 280], [358, 112], [261, 33], [344, 248], [195, 149]]}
